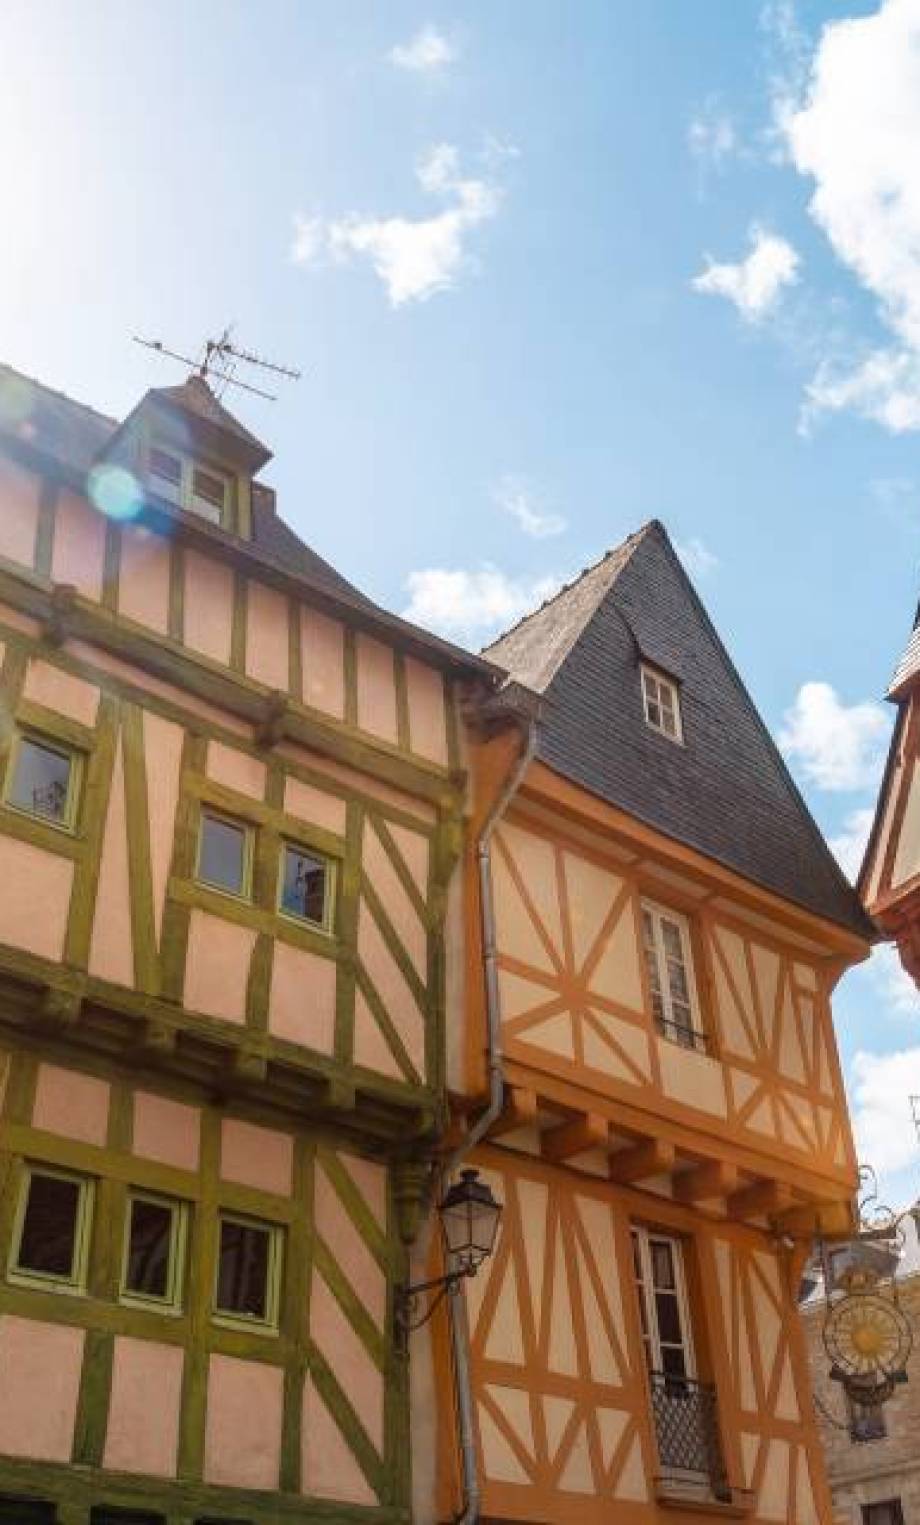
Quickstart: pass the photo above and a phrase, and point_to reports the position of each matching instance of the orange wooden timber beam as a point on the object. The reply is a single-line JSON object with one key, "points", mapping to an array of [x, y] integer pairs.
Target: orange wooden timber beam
{"points": [[764, 1199], [586, 1132], [652, 1158], [518, 1111], [716, 1179]]}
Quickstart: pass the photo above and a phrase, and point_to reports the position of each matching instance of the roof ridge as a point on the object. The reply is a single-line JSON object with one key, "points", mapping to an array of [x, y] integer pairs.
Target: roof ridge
{"points": [[74, 402], [631, 541]]}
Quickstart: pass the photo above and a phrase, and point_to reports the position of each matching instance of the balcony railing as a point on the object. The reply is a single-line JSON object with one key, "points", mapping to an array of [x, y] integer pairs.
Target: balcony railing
{"points": [[687, 1428]]}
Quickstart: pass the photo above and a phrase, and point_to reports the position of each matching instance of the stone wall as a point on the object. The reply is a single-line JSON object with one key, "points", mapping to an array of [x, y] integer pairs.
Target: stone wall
{"points": [[869, 1471]]}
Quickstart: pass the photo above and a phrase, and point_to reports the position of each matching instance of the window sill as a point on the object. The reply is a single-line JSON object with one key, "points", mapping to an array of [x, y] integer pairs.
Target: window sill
{"points": [[737, 1503]]}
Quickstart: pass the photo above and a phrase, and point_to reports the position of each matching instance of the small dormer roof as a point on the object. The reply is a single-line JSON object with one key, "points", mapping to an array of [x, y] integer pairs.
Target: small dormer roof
{"points": [[194, 396]]}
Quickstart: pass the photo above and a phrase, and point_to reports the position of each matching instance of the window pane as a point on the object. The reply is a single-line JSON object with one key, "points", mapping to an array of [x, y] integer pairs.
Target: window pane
{"points": [[303, 891], [207, 495], [222, 859], [41, 779], [49, 1228], [668, 1314], [242, 1281], [662, 1265], [20, 1511], [150, 1240], [166, 475], [672, 1361]]}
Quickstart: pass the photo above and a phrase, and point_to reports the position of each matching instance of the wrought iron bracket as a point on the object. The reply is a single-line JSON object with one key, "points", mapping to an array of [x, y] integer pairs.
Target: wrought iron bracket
{"points": [[407, 1314]]}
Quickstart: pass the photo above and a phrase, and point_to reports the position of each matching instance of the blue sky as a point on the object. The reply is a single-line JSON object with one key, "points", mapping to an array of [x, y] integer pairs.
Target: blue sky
{"points": [[549, 271]]}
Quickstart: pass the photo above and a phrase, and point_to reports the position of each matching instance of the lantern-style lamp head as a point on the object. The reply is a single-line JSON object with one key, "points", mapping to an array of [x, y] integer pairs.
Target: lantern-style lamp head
{"points": [[470, 1217]]}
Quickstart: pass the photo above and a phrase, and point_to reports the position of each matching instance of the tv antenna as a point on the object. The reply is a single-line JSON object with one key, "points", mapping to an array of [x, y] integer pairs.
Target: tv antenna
{"points": [[219, 361]]}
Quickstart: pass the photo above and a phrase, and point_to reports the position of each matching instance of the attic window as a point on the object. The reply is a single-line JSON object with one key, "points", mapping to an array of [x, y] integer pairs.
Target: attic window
{"points": [[182, 481], [661, 702]]}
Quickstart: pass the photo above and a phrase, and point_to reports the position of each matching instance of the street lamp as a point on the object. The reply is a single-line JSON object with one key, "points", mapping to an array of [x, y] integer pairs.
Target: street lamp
{"points": [[470, 1216]]}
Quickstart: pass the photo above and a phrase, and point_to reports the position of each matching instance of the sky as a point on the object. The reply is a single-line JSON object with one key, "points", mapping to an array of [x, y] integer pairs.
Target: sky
{"points": [[549, 271]]}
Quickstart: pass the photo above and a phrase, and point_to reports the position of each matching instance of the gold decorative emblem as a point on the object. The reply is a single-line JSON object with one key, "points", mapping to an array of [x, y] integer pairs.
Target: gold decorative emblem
{"points": [[867, 1336]]}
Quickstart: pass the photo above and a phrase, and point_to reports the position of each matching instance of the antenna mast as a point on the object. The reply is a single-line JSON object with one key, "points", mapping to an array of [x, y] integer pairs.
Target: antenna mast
{"points": [[220, 359]]}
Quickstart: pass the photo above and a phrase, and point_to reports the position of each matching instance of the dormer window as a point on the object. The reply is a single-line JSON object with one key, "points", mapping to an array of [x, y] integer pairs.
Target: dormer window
{"points": [[183, 482], [661, 702]]}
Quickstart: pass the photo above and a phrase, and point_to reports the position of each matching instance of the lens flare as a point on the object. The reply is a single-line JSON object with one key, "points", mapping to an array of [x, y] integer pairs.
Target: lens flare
{"points": [[116, 491]]}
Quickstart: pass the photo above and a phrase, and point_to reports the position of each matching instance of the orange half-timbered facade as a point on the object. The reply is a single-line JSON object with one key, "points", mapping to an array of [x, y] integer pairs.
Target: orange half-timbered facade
{"points": [[668, 928], [889, 880]]}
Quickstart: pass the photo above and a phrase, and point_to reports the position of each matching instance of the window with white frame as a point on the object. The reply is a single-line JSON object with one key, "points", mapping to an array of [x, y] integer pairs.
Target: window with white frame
{"points": [[188, 485], [669, 962], [663, 1307], [661, 702]]}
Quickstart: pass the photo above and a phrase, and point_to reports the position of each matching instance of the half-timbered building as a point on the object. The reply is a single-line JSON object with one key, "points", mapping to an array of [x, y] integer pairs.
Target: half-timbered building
{"points": [[666, 927], [230, 804], [889, 880]]}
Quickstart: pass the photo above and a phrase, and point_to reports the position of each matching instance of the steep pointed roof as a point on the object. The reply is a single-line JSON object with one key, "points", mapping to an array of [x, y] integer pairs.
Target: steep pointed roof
{"points": [[725, 791], [195, 396]]}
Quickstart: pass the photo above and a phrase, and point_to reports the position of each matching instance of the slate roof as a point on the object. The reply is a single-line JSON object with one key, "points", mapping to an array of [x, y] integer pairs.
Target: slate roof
{"points": [[726, 792], [195, 396], [75, 435]]}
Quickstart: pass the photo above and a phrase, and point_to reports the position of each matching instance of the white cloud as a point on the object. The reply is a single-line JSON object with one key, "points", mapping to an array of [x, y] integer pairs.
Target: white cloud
{"points": [[881, 1086], [712, 136], [855, 133], [838, 746], [698, 559], [513, 494], [849, 844], [473, 604], [754, 284], [413, 257], [428, 52], [789, 60]]}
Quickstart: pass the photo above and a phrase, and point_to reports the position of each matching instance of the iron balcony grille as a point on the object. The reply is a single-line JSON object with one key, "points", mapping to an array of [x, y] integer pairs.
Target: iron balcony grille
{"points": [[687, 1429], [679, 1032]]}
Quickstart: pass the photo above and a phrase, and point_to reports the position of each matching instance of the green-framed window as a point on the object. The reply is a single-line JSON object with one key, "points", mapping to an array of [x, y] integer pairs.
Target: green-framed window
{"points": [[43, 778], [247, 1283], [16, 1509], [102, 1514], [225, 852], [306, 886], [201, 490], [153, 1257], [51, 1231]]}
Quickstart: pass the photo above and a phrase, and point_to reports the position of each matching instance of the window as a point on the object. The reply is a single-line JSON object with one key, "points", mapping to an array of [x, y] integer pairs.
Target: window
{"points": [[51, 1234], [669, 961], [154, 1251], [187, 485], [248, 1271], [42, 780], [662, 704], [306, 886], [885, 1512], [659, 1269], [24, 1511], [225, 854], [104, 1516], [867, 1421]]}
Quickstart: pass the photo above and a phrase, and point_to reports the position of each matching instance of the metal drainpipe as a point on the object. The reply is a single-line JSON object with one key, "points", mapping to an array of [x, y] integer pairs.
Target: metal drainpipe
{"points": [[459, 1328]]}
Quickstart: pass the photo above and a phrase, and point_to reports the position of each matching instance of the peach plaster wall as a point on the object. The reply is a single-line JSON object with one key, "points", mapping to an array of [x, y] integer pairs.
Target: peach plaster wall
{"points": [[41, 1366], [267, 639], [162, 759], [236, 770], [35, 888], [208, 606], [314, 805], [166, 1130], [254, 1156], [72, 1104], [242, 1447], [111, 953], [301, 1005], [78, 554], [143, 578], [217, 966], [376, 688], [143, 1435], [61, 691], [427, 712], [323, 662], [19, 492]]}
